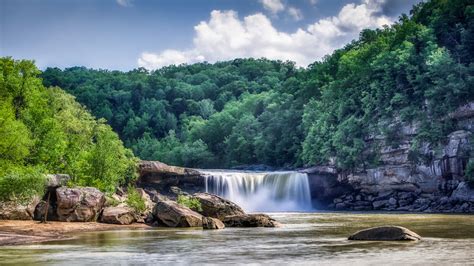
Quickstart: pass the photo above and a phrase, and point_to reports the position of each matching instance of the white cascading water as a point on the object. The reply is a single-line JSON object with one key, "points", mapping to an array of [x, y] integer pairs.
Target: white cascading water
{"points": [[255, 191]]}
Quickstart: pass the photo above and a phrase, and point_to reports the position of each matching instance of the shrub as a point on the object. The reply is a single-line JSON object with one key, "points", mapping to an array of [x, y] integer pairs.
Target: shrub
{"points": [[21, 184], [110, 201], [135, 200], [189, 202]]}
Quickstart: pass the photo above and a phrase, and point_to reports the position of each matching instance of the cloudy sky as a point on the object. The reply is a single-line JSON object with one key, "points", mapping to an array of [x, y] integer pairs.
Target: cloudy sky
{"points": [[126, 34]]}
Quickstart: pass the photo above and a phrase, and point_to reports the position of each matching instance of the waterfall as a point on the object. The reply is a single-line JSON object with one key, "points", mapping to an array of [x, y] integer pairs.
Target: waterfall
{"points": [[256, 191]]}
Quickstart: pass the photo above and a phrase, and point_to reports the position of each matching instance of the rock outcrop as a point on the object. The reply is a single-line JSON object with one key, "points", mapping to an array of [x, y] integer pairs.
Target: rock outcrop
{"points": [[385, 233], [217, 207], [401, 183], [117, 215], [10, 210], [171, 214], [250, 220], [79, 204], [161, 177], [212, 223]]}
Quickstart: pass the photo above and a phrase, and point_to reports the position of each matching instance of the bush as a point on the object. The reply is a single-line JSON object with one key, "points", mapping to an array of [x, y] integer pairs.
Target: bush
{"points": [[110, 201], [21, 184], [190, 202], [135, 200]]}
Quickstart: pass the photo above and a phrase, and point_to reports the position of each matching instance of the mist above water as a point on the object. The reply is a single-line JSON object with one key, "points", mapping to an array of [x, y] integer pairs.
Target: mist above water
{"points": [[256, 191]]}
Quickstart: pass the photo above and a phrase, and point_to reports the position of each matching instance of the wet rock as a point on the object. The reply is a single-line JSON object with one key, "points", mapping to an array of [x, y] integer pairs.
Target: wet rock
{"points": [[117, 215], [421, 204], [379, 204], [385, 233], [79, 204], [212, 223], [10, 210], [172, 214], [250, 220], [392, 202], [463, 193], [217, 207], [385, 195]]}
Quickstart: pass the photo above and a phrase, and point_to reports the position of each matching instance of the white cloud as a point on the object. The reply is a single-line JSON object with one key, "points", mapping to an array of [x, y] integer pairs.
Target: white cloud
{"points": [[295, 13], [273, 6], [225, 36], [313, 2], [124, 3]]}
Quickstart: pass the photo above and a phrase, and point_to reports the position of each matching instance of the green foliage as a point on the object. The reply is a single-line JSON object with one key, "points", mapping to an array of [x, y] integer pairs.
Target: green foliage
{"points": [[44, 130], [257, 111], [135, 200], [190, 202], [21, 184], [110, 201], [190, 115]]}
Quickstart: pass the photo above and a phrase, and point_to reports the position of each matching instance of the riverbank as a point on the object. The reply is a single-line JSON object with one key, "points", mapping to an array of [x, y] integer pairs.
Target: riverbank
{"points": [[318, 238], [28, 232]]}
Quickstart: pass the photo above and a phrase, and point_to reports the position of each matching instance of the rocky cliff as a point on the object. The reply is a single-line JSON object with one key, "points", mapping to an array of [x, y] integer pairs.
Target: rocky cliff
{"points": [[401, 182]]}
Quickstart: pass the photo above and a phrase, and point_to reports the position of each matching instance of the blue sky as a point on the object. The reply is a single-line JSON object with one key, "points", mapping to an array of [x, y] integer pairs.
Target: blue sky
{"points": [[126, 34]]}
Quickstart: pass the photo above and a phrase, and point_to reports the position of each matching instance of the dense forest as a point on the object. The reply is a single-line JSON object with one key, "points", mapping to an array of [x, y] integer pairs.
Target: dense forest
{"points": [[257, 111], [44, 130]]}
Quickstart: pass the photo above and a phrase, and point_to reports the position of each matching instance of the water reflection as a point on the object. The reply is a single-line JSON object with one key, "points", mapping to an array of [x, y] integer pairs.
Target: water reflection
{"points": [[316, 238]]}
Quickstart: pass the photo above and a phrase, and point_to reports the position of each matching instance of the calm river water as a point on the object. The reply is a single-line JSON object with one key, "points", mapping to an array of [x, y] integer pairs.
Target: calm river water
{"points": [[305, 238]]}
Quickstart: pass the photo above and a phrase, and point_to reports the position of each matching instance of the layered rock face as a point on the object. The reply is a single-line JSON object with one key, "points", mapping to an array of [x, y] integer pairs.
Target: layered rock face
{"points": [[434, 182]]}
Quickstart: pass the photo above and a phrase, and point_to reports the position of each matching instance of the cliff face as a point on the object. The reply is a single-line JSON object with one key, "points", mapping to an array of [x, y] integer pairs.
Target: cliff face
{"points": [[401, 183]]}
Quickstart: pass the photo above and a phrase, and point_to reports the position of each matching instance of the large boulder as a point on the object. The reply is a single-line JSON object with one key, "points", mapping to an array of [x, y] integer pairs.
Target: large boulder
{"points": [[386, 233], [172, 214], [11, 210], [250, 220], [160, 176], [79, 204], [212, 223], [217, 207], [117, 215]]}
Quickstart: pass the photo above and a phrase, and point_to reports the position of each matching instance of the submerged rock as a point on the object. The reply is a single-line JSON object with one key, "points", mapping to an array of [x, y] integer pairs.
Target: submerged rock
{"points": [[212, 223], [174, 215], [217, 207], [250, 220], [386, 233], [10, 210], [79, 204], [117, 215]]}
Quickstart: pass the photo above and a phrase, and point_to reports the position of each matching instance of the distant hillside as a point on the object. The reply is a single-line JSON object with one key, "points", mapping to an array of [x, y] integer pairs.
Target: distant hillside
{"points": [[256, 111]]}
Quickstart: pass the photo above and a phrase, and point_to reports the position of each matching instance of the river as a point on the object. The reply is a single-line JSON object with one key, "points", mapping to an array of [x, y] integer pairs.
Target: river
{"points": [[305, 238]]}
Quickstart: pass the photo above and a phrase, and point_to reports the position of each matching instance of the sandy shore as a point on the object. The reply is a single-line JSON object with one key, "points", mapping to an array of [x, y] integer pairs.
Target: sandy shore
{"points": [[27, 232]]}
